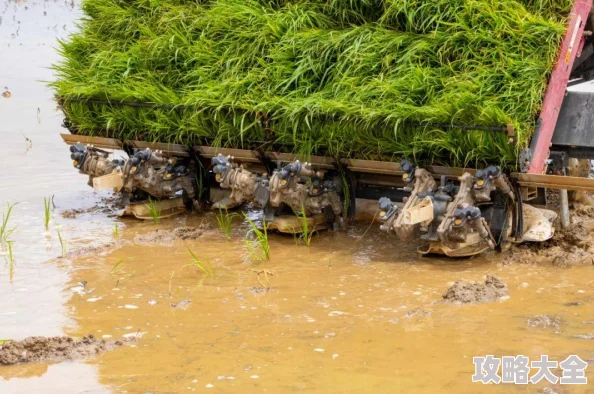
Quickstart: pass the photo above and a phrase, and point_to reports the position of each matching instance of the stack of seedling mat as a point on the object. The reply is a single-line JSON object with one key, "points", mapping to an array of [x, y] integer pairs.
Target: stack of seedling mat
{"points": [[433, 81]]}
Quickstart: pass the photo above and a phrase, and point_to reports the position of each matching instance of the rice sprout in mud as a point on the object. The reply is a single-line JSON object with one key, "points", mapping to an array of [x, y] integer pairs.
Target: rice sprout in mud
{"points": [[10, 254], [203, 265], [120, 261], [5, 230], [224, 220], [116, 230], [306, 233], [10, 261], [258, 247], [154, 210], [46, 212], [62, 244]]}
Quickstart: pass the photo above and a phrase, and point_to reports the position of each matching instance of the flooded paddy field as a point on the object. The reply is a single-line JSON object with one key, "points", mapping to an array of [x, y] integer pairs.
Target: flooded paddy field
{"points": [[357, 311]]}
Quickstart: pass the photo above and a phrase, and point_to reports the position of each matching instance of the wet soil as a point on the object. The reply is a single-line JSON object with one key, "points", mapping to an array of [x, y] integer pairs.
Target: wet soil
{"points": [[473, 292], [167, 236], [108, 205], [93, 250], [53, 349], [157, 237], [568, 248]]}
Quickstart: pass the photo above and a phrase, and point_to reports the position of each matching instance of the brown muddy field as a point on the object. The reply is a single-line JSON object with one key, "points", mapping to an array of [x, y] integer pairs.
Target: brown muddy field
{"points": [[356, 312]]}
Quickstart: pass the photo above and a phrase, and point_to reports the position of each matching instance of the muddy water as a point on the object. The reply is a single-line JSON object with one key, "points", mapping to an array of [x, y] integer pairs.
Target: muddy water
{"points": [[353, 313], [349, 314], [35, 164]]}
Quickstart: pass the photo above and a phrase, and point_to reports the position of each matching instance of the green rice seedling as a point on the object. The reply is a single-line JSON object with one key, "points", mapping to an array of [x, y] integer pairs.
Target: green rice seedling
{"points": [[224, 220], [258, 248], [115, 267], [370, 79], [5, 230], [46, 212], [10, 261], [200, 182], [306, 233], [62, 244], [154, 210], [116, 230], [346, 193], [203, 265], [296, 237], [10, 254]]}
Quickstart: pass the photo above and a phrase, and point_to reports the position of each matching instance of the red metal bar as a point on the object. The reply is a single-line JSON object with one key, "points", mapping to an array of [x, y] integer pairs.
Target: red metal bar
{"points": [[557, 86]]}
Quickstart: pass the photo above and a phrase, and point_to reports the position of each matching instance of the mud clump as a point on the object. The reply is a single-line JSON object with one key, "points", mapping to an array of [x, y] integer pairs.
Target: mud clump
{"points": [[475, 293], [573, 303], [53, 349], [569, 247], [108, 205], [72, 213], [168, 236], [545, 321], [183, 305], [92, 250]]}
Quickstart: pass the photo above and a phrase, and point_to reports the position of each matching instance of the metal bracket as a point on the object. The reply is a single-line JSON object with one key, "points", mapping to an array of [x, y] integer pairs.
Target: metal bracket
{"points": [[554, 182], [557, 85], [557, 163]]}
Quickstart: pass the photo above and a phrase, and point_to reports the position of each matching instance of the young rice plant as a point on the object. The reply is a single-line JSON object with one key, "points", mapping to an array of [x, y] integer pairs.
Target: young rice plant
{"points": [[47, 212], [203, 265], [154, 210], [224, 220], [369, 79], [258, 248], [5, 230]]}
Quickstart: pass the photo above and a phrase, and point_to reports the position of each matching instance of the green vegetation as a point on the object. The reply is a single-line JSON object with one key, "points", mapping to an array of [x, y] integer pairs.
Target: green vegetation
{"points": [[225, 219], [5, 230], [10, 255], [154, 210], [47, 212], [10, 260], [116, 230], [258, 247], [362, 78], [115, 267], [306, 234], [204, 266], [62, 244]]}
